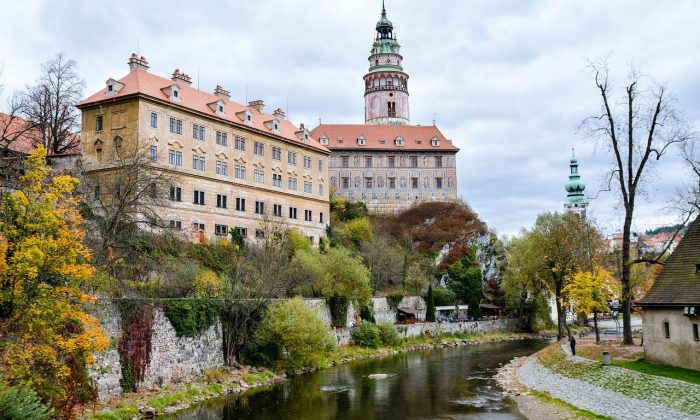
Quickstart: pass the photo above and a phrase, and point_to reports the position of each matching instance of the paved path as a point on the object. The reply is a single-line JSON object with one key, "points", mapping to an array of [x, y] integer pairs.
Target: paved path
{"points": [[596, 399]]}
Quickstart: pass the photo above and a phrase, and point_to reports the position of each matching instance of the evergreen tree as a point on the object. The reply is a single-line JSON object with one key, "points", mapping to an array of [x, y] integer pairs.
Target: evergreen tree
{"points": [[430, 302]]}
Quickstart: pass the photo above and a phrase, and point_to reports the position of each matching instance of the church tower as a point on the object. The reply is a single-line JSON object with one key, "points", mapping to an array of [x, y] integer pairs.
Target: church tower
{"points": [[386, 84], [576, 201]]}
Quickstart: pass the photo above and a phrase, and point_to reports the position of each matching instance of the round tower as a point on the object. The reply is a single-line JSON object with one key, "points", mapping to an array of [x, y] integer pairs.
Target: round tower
{"points": [[386, 84], [576, 201]]}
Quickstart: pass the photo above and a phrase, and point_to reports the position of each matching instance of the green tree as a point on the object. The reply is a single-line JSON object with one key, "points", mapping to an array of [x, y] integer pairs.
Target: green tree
{"points": [[430, 305], [294, 335], [354, 232], [466, 281]]}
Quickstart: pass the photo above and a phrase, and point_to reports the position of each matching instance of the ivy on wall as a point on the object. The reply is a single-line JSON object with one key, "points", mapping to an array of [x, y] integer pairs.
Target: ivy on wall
{"points": [[394, 301], [338, 306], [135, 343], [191, 317]]}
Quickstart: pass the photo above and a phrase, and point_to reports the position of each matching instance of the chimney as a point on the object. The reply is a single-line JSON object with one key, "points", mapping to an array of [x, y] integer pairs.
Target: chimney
{"points": [[137, 63], [279, 112], [258, 104], [222, 93], [301, 126], [181, 77]]}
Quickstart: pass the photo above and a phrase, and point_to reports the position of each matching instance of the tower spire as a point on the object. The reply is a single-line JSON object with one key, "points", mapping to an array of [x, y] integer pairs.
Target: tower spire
{"points": [[576, 201]]}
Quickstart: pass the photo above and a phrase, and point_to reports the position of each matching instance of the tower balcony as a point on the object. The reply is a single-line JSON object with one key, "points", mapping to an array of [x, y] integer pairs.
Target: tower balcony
{"points": [[376, 88]]}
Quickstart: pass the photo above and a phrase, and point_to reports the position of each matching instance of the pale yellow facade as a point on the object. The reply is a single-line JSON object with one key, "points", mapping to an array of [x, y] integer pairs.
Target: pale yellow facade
{"points": [[301, 189]]}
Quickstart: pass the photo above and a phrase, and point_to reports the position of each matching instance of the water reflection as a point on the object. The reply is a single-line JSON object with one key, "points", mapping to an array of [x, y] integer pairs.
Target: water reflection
{"points": [[454, 383]]}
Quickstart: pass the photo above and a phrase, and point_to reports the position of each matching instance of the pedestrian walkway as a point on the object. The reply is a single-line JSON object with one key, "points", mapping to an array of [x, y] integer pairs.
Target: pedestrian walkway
{"points": [[659, 398]]}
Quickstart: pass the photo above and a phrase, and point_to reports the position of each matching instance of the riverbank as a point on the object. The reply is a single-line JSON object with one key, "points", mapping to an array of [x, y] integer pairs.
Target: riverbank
{"points": [[218, 382], [602, 391]]}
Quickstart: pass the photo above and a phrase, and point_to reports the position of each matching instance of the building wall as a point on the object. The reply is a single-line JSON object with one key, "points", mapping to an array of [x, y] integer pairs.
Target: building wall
{"points": [[380, 198], [131, 121], [680, 349]]}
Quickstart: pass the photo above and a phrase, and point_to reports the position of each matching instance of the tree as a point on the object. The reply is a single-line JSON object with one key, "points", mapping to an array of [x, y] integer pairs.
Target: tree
{"points": [[50, 104], [430, 305], [589, 292], [466, 281], [17, 137], [640, 134], [385, 263], [46, 339], [354, 232]]}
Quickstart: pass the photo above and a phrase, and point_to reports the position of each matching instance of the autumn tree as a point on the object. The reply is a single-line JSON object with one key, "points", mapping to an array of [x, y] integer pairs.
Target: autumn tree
{"points": [[50, 104], [589, 292], [46, 339], [637, 135]]}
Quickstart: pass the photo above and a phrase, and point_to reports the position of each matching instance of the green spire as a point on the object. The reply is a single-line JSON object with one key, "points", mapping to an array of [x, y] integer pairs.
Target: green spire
{"points": [[575, 186]]}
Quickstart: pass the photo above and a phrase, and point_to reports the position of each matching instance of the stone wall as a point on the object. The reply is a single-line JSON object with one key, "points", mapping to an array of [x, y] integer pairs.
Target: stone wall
{"points": [[173, 359], [680, 349], [434, 328]]}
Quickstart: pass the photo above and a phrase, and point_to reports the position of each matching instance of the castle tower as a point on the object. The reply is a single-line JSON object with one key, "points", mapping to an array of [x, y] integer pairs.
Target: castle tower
{"points": [[386, 84], [576, 201]]}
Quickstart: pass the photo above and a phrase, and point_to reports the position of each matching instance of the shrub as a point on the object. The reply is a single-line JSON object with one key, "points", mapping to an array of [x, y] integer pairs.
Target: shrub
{"points": [[293, 335], [389, 334], [338, 306], [367, 335], [20, 403], [430, 303], [444, 297], [367, 312], [208, 284]]}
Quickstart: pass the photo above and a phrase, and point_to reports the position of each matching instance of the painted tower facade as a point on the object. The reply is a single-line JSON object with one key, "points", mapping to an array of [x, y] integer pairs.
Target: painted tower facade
{"points": [[576, 201], [386, 84]]}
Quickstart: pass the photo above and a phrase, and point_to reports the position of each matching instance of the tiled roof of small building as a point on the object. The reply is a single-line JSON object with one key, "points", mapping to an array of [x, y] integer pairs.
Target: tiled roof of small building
{"points": [[21, 136], [142, 82], [383, 137], [679, 282]]}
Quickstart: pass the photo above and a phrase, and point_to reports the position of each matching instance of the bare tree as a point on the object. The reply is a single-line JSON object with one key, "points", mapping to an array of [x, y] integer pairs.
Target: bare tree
{"points": [[688, 200], [50, 104], [640, 134], [126, 196], [17, 138]]}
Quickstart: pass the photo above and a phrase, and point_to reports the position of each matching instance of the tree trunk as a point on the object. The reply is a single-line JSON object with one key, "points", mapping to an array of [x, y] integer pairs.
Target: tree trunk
{"points": [[560, 320], [595, 327], [626, 289]]}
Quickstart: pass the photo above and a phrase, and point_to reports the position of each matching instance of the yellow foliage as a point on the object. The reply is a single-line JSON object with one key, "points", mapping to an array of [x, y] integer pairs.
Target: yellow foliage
{"points": [[47, 340], [207, 284], [589, 292]]}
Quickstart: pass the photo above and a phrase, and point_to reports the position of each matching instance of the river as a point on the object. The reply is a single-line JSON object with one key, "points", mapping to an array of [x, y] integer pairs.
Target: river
{"points": [[453, 383]]}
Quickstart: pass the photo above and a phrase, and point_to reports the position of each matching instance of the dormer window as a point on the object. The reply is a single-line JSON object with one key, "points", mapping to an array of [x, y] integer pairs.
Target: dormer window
{"points": [[176, 93], [218, 107], [246, 116], [324, 140], [110, 88], [113, 87], [273, 125], [399, 141], [435, 142], [361, 140], [249, 117], [221, 108]]}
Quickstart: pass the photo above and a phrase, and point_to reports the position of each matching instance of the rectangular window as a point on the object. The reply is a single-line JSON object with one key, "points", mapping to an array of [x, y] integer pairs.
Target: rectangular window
{"points": [[368, 183], [98, 151], [98, 123], [259, 233], [221, 138], [320, 217], [175, 125], [344, 161], [307, 162], [291, 158], [240, 172], [308, 216], [198, 227], [391, 161], [198, 163], [242, 231], [259, 207], [292, 183], [259, 148], [221, 168], [276, 180], [392, 182], [438, 183], [175, 157], [308, 187], [240, 204], [696, 337], [221, 201], [154, 120], [276, 153], [198, 197], [292, 212], [277, 210], [259, 176], [414, 161], [368, 161], [438, 161], [154, 153], [220, 230], [198, 132], [667, 330], [176, 224], [175, 194], [345, 182], [414, 182], [240, 143], [320, 190], [320, 165]]}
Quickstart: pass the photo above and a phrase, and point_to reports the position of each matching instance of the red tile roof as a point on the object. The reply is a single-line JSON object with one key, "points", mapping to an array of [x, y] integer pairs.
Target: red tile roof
{"points": [[20, 136], [381, 137], [145, 83]]}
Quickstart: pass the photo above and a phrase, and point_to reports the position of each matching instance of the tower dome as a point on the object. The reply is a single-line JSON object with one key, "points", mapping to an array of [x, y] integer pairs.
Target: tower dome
{"points": [[576, 200]]}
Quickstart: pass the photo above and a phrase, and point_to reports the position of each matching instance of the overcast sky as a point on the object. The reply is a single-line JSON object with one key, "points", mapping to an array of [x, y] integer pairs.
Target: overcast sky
{"points": [[506, 79]]}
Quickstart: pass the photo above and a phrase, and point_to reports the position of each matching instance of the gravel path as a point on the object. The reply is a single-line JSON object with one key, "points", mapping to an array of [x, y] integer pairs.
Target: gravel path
{"points": [[599, 400]]}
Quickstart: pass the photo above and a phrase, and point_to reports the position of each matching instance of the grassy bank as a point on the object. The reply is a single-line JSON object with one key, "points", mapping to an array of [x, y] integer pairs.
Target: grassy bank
{"points": [[649, 368], [217, 382], [572, 409]]}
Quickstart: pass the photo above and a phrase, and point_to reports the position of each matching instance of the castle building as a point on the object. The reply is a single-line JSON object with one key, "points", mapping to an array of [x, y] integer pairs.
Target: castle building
{"points": [[386, 162], [576, 201], [232, 166]]}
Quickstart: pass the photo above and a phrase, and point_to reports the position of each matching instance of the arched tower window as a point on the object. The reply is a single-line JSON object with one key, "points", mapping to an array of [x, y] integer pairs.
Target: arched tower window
{"points": [[391, 108]]}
